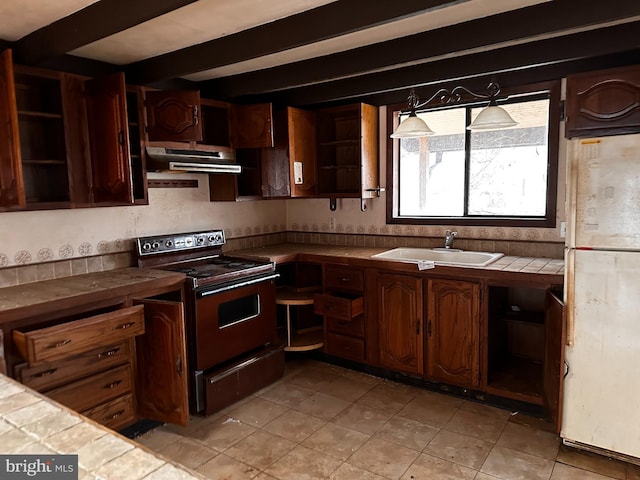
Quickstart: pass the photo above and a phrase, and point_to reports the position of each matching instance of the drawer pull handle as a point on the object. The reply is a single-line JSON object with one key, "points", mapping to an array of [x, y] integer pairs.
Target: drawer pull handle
{"points": [[344, 279], [112, 384], [125, 325], [114, 416], [109, 353], [46, 373], [60, 344]]}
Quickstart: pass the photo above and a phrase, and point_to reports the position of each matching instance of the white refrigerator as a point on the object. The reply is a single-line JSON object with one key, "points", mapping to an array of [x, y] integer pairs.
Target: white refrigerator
{"points": [[601, 407]]}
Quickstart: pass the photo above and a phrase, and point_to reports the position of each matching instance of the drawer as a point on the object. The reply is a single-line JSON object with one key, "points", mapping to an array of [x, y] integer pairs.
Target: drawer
{"points": [[94, 390], [70, 338], [51, 374], [115, 414], [341, 307], [353, 327], [344, 278], [345, 347]]}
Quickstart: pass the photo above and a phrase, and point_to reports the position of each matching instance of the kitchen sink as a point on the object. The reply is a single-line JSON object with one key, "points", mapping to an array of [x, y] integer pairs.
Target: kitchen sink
{"points": [[440, 256]]}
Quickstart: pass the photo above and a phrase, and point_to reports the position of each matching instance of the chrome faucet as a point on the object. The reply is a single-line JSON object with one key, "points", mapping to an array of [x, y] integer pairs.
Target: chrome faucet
{"points": [[448, 238]]}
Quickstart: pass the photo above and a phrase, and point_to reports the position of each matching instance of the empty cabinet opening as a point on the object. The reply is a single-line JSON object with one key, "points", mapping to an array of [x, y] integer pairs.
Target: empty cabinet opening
{"points": [[516, 342]]}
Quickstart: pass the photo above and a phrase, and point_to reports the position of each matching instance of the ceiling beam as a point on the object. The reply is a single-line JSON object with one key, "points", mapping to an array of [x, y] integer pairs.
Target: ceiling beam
{"points": [[321, 23], [99, 20], [489, 32], [578, 46]]}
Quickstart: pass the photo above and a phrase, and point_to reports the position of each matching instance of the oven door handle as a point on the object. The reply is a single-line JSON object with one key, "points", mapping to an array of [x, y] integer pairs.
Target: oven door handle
{"points": [[233, 286]]}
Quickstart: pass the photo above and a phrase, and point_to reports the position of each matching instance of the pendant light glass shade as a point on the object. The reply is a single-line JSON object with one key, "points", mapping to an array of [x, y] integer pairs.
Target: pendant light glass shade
{"points": [[492, 118], [412, 127]]}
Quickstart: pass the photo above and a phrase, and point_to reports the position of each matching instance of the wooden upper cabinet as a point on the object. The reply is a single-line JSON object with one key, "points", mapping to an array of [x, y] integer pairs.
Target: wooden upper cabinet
{"points": [[303, 155], [173, 116], [11, 186], [400, 322], [109, 139], [605, 102], [252, 126], [453, 332], [347, 142], [161, 383]]}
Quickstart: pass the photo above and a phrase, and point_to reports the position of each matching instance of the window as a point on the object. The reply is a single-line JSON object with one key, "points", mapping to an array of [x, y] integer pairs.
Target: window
{"points": [[458, 177]]}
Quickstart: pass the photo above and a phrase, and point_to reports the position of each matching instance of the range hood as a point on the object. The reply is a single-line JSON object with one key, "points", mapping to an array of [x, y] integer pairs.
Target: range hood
{"points": [[198, 161]]}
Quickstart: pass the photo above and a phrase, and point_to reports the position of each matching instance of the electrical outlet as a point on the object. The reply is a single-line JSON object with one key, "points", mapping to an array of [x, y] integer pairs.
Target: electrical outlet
{"points": [[563, 229], [332, 223]]}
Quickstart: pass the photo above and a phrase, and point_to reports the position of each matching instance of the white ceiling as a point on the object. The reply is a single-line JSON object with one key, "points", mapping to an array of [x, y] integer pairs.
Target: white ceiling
{"points": [[205, 20]]}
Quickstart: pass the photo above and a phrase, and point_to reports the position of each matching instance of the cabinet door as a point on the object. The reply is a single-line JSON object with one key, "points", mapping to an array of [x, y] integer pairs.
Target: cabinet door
{"points": [[303, 161], [603, 102], [173, 116], [453, 332], [251, 126], [370, 171], [109, 140], [400, 322], [11, 186], [555, 334], [161, 382]]}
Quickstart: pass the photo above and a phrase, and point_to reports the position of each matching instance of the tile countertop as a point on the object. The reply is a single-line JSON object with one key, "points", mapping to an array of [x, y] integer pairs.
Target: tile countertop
{"points": [[32, 424], [289, 252], [124, 281]]}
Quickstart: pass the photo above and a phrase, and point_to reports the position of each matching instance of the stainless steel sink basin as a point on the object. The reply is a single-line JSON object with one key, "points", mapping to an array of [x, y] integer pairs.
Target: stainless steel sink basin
{"points": [[439, 256]]}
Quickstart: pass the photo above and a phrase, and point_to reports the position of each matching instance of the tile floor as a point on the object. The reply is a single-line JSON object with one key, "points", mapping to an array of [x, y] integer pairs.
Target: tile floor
{"points": [[325, 422]]}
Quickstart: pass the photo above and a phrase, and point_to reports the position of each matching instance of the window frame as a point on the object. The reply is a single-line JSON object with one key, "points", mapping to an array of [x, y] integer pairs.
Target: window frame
{"points": [[552, 88]]}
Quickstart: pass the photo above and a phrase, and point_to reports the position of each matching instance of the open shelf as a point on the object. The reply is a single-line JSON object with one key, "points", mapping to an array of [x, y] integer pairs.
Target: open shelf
{"points": [[518, 378]]}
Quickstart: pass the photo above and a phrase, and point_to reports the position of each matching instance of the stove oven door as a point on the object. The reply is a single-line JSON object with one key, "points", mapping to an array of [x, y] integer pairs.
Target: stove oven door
{"points": [[232, 320]]}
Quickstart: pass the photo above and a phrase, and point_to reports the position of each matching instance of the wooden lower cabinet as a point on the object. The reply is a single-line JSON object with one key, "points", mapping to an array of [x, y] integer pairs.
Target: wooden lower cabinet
{"points": [[453, 332], [114, 367], [400, 322]]}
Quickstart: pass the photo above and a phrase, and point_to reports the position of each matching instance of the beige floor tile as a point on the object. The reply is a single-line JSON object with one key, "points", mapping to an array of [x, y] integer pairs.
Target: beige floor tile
{"points": [[478, 425], [423, 410], [227, 468], [287, 394], [258, 412], [260, 449], [487, 410], [223, 433], [453, 447], [567, 472], [383, 458], [349, 472], [362, 418], [530, 440], [362, 377], [335, 440], [303, 463], [322, 406], [433, 468], [314, 379], [408, 433], [531, 421], [264, 476], [158, 438], [484, 476], [294, 425], [592, 462], [188, 452], [509, 464], [388, 396], [138, 465], [349, 389]]}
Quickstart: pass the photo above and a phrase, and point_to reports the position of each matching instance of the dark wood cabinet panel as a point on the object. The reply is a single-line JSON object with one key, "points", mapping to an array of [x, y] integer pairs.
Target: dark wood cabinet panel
{"points": [[162, 392], [173, 116], [11, 186], [453, 332], [555, 333], [109, 139], [303, 155], [251, 126], [605, 102], [400, 322]]}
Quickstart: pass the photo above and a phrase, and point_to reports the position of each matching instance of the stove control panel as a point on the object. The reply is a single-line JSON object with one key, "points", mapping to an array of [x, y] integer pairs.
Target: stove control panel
{"points": [[179, 241]]}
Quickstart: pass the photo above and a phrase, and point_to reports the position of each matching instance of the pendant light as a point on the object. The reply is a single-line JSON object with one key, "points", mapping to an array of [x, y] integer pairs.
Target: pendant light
{"points": [[492, 117]]}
